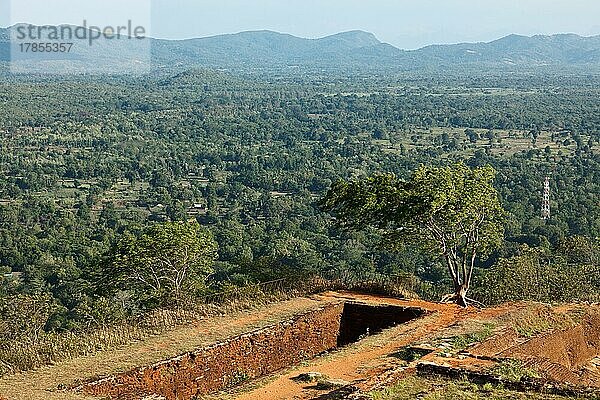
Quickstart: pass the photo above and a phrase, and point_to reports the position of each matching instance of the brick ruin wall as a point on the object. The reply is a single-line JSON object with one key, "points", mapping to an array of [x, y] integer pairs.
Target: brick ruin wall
{"points": [[226, 364], [253, 355]]}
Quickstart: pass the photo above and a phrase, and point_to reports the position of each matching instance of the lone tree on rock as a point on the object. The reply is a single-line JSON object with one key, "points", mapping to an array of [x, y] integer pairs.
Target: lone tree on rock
{"points": [[453, 212]]}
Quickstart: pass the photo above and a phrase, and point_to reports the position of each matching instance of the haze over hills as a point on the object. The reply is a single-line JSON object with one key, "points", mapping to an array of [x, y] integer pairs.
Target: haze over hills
{"points": [[562, 49], [353, 49], [261, 48]]}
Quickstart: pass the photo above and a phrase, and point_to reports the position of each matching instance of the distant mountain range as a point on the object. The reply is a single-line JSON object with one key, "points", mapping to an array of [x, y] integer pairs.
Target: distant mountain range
{"points": [[356, 50], [260, 48]]}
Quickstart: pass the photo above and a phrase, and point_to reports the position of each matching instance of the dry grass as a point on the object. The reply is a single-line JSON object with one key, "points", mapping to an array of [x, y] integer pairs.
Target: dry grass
{"points": [[42, 383], [534, 319], [91, 355], [463, 334], [37, 351]]}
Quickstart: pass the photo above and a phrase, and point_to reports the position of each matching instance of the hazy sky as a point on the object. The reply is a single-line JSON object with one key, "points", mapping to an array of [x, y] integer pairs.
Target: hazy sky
{"points": [[403, 23]]}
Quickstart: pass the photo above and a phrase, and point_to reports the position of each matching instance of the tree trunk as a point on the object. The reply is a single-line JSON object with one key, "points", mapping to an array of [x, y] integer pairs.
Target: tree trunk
{"points": [[461, 296]]}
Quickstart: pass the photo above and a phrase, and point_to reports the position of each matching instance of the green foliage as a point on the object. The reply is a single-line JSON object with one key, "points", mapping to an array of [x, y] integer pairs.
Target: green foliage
{"points": [[536, 274], [431, 388], [463, 341], [24, 316], [453, 212], [238, 378], [165, 263], [85, 160], [514, 370], [410, 354]]}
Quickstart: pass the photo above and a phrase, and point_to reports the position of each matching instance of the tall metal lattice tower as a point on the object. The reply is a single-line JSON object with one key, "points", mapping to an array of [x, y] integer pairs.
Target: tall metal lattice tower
{"points": [[546, 200]]}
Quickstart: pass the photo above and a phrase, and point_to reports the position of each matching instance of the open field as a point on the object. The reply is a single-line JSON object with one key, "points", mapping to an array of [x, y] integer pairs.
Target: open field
{"points": [[499, 142]]}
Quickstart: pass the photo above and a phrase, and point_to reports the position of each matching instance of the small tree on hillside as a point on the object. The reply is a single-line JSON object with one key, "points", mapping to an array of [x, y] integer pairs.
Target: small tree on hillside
{"points": [[164, 263], [453, 212]]}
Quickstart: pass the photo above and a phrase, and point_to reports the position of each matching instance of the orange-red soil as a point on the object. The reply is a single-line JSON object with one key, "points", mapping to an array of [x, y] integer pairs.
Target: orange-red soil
{"points": [[372, 363], [566, 354]]}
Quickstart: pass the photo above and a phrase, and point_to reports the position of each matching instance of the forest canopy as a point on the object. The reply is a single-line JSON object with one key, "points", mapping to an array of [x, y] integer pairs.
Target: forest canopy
{"points": [[94, 169]]}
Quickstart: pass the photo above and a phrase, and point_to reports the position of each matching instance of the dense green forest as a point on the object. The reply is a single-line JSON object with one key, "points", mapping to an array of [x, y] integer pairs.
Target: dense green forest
{"points": [[90, 165]]}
